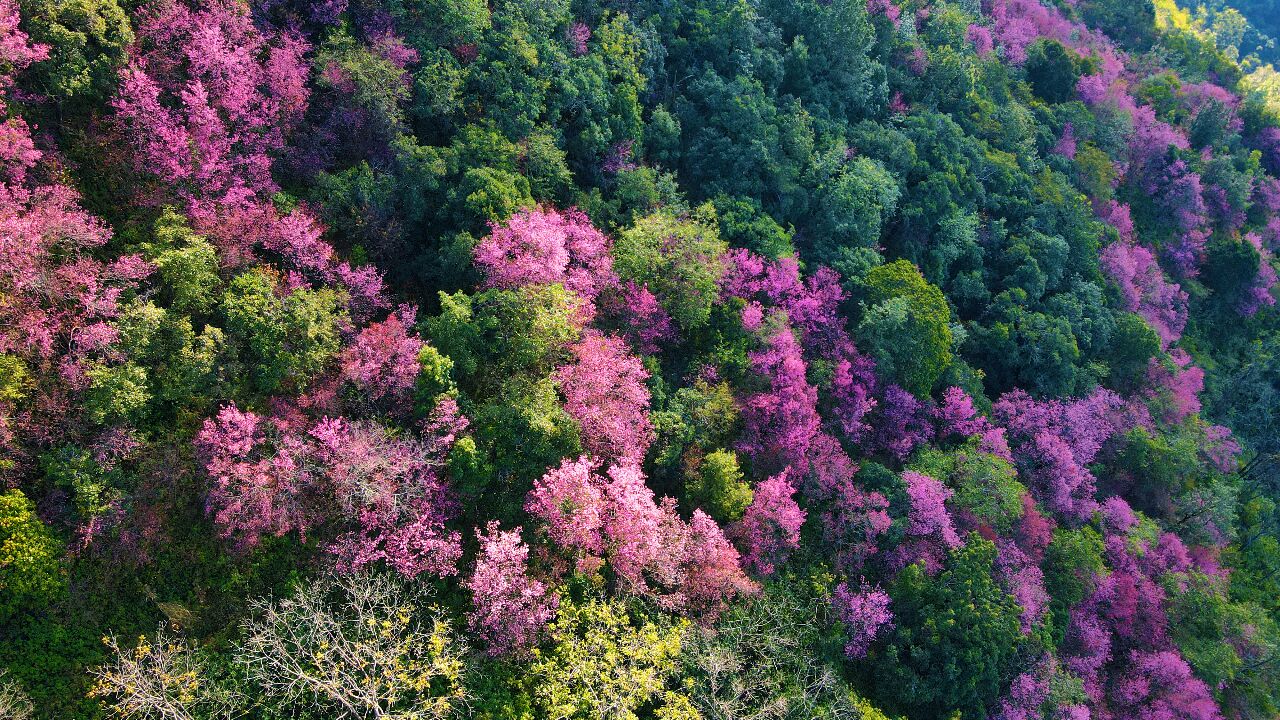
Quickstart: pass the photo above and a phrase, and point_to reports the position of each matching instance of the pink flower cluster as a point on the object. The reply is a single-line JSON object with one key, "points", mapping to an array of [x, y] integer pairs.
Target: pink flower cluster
{"points": [[272, 478], [604, 391], [544, 245], [509, 608], [615, 521]]}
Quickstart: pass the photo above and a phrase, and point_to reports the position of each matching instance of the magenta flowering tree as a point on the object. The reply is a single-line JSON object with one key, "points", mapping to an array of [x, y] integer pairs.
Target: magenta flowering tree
{"points": [[929, 531], [648, 548], [17, 151], [1029, 696], [644, 321], [296, 239], [1160, 685], [1022, 578], [571, 505], [1173, 387], [58, 292], [577, 36], [393, 488], [770, 527], [1054, 442], [1220, 448], [782, 421], [1116, 515], [865, 614], [852, 524], [634, 526], [711, 567], [902, 423], [604, 391], [272, 478], [1066, 145], [981, 39], [812, 307], [1118, 642], [1034, 531], [886, 8], [1119, 216], [207, 102], [261, 485], [688, 567], [1179, 191], [207, 99], [1026, 697], [509, 608], [1018, 23], [544, 245], [1261, 292], [382, 361], [58, 299], [956, 415], [1268, 142], [1145, 290]]}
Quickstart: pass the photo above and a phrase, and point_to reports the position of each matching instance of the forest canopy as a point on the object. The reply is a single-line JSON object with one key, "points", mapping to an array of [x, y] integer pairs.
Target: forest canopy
{"points": [[647, 360]]}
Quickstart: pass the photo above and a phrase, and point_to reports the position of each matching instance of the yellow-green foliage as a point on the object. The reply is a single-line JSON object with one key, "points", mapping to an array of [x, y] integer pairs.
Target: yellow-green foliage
{"points": [[603, 663], [30, 570], [716, 485]]}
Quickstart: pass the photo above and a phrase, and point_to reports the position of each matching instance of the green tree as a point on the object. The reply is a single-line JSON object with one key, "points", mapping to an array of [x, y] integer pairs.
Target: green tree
{"points": [[282, 340], [87, 41], [1053, 70], [1072, 561], [716, 485], [955, 640], [985, 485], [853, 204], [906, 325], [186, 263], [495, 335], [679, 258]]}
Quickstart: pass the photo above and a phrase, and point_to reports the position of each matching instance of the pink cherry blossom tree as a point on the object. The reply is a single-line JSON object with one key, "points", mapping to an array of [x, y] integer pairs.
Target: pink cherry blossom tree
{"points": [[545, 245], [770, 527], [509, 608], [383, 360], [604, 391]]}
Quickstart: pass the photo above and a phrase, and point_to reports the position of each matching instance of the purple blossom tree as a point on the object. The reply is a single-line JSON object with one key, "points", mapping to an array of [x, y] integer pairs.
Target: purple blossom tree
{"points": [[1055, 441], [929, 531], [865, 614], [1145, 290], [207, 99]]}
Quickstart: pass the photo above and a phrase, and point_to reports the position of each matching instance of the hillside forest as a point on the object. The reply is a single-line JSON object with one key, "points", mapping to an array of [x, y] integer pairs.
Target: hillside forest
{"points": [[639, 360]]}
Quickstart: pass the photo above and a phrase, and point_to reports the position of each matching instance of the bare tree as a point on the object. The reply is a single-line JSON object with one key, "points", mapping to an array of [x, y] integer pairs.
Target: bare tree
{"points": [[14, 703], [762, 662], [361, 645], [162, 678]]}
